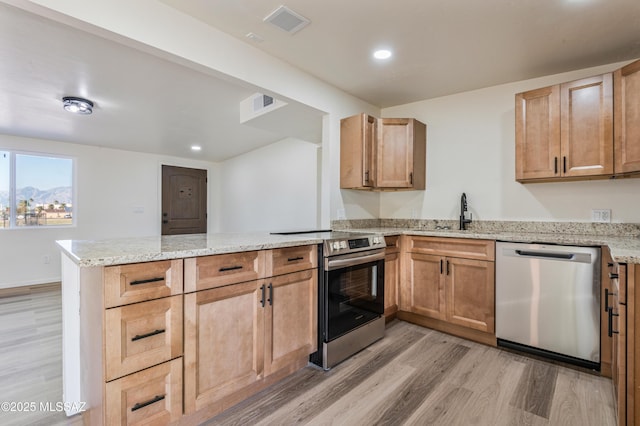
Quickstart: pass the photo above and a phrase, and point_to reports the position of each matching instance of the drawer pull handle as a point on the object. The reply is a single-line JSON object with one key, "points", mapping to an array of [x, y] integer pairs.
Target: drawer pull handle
{"points": [[230, 268], [140, 405], [147, 281], [144, 336], [610, 330], [270, 299], [262, 295], [294, 259], [613, 276]]}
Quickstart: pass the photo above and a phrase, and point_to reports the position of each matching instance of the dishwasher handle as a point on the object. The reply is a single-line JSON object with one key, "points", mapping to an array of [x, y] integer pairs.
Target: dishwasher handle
{"points": [[547, 254]]}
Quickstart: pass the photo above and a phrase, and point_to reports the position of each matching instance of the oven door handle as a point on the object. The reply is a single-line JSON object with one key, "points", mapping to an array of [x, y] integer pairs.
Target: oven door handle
{"points": [[333, 264]]}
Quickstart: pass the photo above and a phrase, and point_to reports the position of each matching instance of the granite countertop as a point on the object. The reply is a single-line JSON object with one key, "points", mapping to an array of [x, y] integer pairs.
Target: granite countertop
{"points": [[623, 249], [145, 249]]}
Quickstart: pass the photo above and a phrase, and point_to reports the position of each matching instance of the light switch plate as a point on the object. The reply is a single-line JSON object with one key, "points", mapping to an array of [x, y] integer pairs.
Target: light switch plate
{"points": [[601, 215]]}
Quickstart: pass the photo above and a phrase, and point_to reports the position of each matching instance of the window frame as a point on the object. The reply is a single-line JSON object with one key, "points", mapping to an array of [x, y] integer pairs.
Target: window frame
{"points": [[13, 211]]}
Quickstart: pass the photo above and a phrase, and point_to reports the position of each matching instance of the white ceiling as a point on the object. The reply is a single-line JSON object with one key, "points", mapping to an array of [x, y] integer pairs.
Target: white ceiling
{"points": [[440, 46], [142, 102], [149, 104]]}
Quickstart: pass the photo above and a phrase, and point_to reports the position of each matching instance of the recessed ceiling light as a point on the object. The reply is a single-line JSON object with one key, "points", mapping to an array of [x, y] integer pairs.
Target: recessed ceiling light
{"points": [[77, 105], [196, 148], [254, 37], [382, 54]]}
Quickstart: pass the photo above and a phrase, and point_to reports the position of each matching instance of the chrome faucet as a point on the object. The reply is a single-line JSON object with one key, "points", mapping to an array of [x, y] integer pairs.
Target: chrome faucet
{"points": [[463, 208]]}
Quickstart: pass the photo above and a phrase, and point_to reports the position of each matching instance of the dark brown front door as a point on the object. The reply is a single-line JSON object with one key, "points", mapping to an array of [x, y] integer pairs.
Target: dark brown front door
{"points": [[184, 200]]}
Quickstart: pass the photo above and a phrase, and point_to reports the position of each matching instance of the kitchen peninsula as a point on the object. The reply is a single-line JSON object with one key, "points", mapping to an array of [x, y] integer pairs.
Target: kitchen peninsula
{"points": [[160, 326], [146, 305]]}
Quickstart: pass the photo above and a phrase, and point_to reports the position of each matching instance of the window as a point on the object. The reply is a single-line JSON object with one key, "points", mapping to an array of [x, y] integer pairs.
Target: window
{"points": [[35, 190]]}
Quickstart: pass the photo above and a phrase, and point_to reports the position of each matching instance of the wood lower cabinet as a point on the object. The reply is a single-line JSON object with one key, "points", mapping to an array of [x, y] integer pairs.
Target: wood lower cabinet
{"points": [[470, 289], [143, 334], [565, 131], [149, 397], [391, 276], [239, 336], [224, 342], [454, 294], [426, 292], [291, 317]]}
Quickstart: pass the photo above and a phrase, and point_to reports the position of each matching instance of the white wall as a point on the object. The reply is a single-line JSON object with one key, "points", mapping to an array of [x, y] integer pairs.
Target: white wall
{"points": [[195, 44], [110, 184], [471, 148], [272, 188]]}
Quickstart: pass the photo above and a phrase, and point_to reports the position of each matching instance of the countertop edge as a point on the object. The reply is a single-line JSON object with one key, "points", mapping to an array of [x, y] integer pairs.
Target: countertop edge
{"points": [[623, 249]]}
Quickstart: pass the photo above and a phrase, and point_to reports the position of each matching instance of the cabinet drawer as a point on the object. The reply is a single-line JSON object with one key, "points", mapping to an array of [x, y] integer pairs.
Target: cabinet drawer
{"points": [[454, 247], [393, 243], [205, 272], [141, 335], [293, 259], [138, 282], [152, 396]]}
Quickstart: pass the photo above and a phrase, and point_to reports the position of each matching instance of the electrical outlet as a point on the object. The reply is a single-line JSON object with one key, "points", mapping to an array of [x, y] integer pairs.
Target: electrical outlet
{"points": [[341, 214], [601, 215], [46, 259]]}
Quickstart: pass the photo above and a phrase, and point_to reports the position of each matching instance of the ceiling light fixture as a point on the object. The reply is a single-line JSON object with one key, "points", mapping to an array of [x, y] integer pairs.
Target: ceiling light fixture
{"points": [[196, 148], [382, 54], [77, 105]]}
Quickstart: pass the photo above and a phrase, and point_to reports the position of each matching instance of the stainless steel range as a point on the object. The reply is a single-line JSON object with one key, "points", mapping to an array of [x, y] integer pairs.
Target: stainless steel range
{"points": [[350, 295]]}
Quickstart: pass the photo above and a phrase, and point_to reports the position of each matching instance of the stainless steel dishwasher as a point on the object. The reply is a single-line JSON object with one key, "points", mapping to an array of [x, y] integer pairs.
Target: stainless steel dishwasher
{"points": [[548, 301]]}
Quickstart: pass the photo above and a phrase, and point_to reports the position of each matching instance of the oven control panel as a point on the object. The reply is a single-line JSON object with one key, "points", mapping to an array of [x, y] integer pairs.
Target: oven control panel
{"points": [[355, 244]]}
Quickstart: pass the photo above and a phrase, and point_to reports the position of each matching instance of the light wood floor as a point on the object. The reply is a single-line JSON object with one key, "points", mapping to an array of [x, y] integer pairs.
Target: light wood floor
{"points": [[31, 354], [414, 376]]}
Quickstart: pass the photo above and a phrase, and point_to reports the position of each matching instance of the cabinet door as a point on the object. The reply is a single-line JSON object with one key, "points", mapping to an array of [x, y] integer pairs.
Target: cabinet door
{"points": [[391, 282], [586, 126], [470, 293], [426, 279], [290, 319], [626, 83], [224, 342], [397, 139], [357, 155], [538, 133]]}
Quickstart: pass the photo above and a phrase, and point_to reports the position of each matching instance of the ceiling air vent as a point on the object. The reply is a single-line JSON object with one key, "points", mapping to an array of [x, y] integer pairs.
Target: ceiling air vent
{"points": [[261, 101], [287, 20]]}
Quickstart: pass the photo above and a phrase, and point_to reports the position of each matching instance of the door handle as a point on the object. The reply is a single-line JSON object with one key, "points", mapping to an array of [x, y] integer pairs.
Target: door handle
{"points": [[262, 297]]}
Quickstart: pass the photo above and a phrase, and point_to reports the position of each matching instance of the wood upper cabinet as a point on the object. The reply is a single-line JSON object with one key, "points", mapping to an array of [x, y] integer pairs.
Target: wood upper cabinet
{"points": [[626, 83], [565, 131], [357, 144], [586, 126], [401, 154], [382, 154], [537, 133]]}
